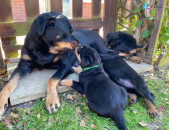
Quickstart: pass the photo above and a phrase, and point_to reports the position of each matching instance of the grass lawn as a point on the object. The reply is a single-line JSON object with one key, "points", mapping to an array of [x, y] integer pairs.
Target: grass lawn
{"points": [[75, 114]]}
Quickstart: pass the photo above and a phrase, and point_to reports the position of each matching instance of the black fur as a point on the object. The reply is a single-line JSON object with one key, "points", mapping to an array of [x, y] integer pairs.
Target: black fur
{"points": [[121, 42], [104, 97], [114, 65]]}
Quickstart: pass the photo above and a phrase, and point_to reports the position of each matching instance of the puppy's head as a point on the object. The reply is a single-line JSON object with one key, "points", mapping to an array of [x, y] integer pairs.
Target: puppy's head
{"points": [[111, 39], [55, 30], [87, 56]]}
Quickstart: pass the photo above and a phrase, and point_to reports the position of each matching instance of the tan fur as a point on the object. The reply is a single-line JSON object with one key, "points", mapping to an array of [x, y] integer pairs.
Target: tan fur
{"points": [[135, 50], [26, 57], [52, 98], [55, 59], [151, 108], [78, 70], [123, 54], [6, 92], [58, 36], [136, 59], [66, 82], [133, 98], [77, 55]]}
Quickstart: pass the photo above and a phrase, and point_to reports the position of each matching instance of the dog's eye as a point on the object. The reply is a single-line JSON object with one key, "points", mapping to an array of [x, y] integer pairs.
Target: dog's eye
{"points": [[64, 36]]}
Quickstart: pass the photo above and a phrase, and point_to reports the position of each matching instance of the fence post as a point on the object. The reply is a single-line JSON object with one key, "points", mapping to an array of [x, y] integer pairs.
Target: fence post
{"points": [[96, 10], [56, 5], [109, 22], [3, 67], [6, 16], [77, 8], [32, 9]]}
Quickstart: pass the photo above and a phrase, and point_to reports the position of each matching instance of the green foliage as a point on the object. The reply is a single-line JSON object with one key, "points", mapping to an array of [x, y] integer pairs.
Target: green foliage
{"points": [[145, 34], [138, 23], [138, 9]]}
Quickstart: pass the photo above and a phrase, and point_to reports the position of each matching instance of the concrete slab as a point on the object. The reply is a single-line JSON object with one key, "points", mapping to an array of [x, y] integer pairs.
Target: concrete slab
{"points": [[34, 85]]}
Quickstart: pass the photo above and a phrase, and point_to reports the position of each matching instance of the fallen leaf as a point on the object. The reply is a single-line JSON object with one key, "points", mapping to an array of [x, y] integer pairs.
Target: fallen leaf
{"points": [[70, 97], [78, 109], [143, 124], [167, 85], [38, 116], [6, 121], [157, 127], [165, 99], [82, 123], [16, 115], [152, 77], [161, 108], [87, 116], [93, 126]]}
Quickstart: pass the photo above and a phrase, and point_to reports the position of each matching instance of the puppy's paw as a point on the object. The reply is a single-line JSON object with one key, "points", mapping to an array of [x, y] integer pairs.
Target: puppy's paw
{"points": [[3, 105], [78, 70], [52, 102], [136, 59], [66, 82], [153, 112], [132, 102]]}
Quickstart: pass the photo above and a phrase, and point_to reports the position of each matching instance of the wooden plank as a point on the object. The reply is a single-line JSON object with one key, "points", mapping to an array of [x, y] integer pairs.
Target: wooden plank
{"points": [[32, 9], [96, 8], [109, 17], [155, 33], [56, 5], [76, 8], [5, 11], [87, 23], [3, 67], [13, 29]]}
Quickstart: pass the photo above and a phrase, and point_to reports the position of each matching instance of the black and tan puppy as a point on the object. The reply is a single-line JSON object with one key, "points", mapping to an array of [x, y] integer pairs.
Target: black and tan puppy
{"points": [[104, 97], [117, 69], [124, 45], [121, 73], [46, 46]]}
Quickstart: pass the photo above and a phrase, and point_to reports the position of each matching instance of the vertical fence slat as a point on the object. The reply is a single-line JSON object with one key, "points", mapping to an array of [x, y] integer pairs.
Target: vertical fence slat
{"points": [[77, 8], [96, 8], [3, 67], [109, 16], [32, 9], [5, 11], [56, 5]]}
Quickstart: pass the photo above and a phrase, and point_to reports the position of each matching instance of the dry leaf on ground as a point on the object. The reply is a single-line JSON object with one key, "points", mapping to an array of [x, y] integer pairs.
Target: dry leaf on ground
{"points": [[143, 124], [38, 116], [93, 126], [82, 123]]}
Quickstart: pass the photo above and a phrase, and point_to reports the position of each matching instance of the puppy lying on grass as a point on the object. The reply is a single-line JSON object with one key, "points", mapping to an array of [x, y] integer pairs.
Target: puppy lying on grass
{"points": [[104, 97]]}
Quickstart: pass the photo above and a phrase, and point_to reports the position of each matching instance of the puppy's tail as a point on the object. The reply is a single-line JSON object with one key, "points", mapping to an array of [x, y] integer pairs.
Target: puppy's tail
{"points": [[120, 121]]}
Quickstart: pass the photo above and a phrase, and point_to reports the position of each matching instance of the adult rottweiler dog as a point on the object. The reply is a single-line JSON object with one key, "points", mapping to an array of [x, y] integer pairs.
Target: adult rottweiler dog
{"points": [[124, 45], [46, 46], [104, 96], [117, 69]]}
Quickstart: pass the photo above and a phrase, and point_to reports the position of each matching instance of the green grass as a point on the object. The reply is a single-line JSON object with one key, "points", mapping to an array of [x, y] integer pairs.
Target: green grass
{"points": [[68, 118]]}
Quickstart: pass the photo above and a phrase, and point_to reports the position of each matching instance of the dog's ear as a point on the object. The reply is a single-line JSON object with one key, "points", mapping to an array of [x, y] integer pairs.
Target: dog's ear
{"points": [[40, 24]]}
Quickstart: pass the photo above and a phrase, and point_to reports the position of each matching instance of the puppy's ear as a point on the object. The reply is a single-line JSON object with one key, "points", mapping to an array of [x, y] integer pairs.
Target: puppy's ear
{"points": [[40, 24]]}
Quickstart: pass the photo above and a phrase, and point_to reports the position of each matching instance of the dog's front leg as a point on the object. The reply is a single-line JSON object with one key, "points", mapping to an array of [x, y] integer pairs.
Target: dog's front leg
{"points": [[23, 68], [52, 99]]}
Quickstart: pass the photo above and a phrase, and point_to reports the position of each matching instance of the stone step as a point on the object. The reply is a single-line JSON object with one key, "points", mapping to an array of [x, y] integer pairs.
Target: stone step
{"points": [[34, 85]]}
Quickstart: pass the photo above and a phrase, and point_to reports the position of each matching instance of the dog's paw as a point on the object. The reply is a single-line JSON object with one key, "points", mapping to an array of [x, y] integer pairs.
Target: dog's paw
{"points": [[52, 102], [153, 112], [132, 102], [78, 70], [66, 82], [3, 105], [136, 59]]}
